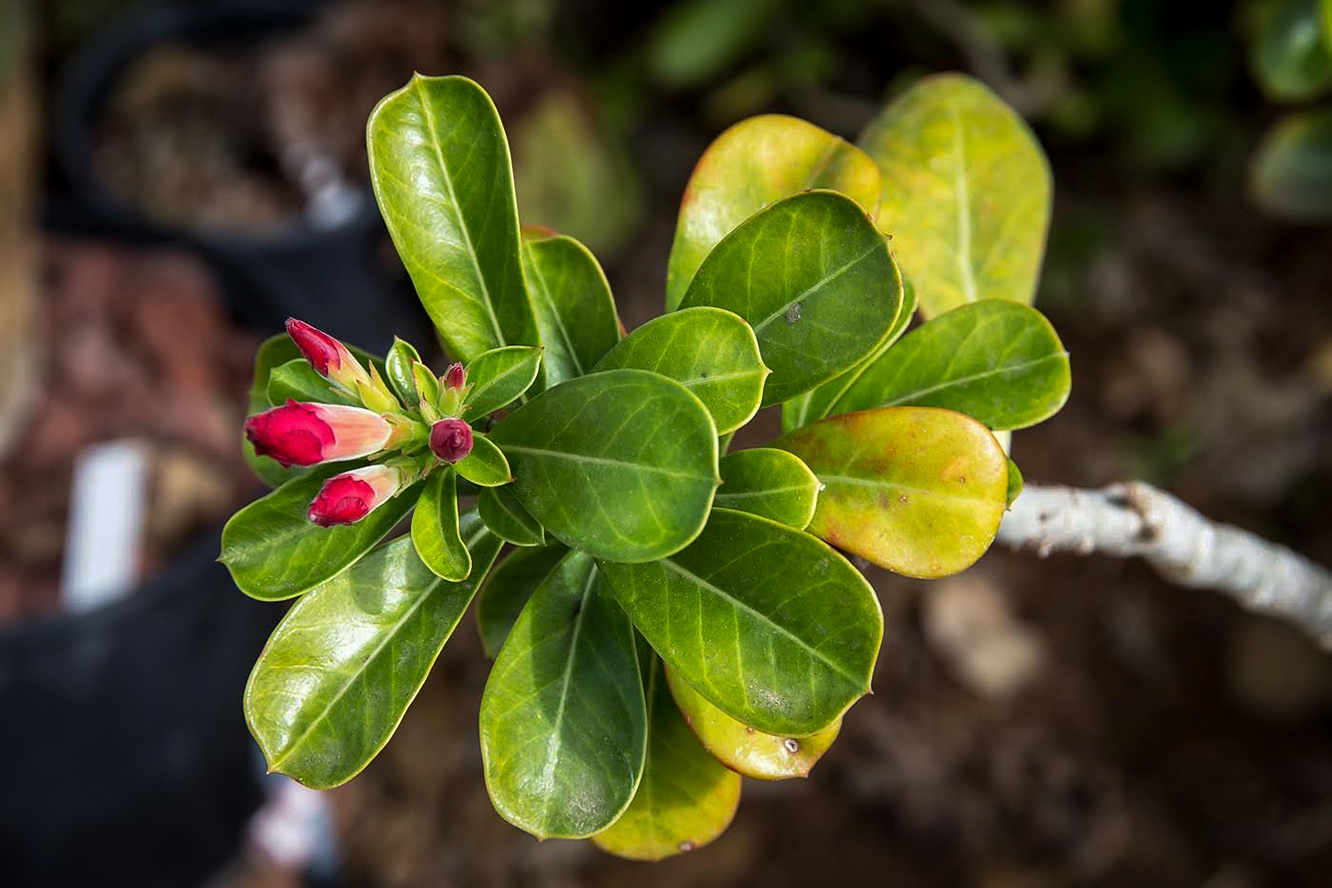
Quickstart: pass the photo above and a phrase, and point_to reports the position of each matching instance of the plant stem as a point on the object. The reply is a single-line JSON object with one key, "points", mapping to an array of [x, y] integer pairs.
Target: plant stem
{"points": [[1180, 543]]}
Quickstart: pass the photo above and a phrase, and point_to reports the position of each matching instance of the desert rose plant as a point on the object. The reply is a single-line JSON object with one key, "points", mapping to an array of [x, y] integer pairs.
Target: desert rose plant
{"points": [[671, 616]]}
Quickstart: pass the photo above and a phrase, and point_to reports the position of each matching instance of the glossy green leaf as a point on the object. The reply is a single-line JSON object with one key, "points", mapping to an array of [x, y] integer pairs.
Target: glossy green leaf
{"points": [[998, 362], [573, 304], [435, 528], [499, 377], [439, 165], [686, 798], [506, 517], [620, 464], [743, 749], [346, 661], [751, 165], [485, 465], [818, 402], [1290, 175], [563, 719], [298, 381], [505, 592], [917, 490], [273, 551], [710, 351], [814, 278], [768, 482], [1289, 57], [273, 352], [426, 384], [768, 623], [1014, 489], [966, 193], [398, 370]]}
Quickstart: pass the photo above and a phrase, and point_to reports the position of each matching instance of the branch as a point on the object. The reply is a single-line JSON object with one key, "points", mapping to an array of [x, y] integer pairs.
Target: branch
{"points": [[1182, 545]]}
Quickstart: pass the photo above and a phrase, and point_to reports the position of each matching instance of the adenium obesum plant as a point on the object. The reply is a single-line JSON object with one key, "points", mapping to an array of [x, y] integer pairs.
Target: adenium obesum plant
{"points": [[671, 615]]}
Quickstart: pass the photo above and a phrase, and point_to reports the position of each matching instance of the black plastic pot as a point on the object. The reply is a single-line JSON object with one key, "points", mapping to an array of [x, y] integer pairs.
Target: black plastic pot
{"points": [[124, 757], [327, 277]]}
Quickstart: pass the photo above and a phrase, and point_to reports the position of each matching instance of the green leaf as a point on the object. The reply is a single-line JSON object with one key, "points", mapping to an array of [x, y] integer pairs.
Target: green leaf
{"points": [[505, 592], [426, 384], [753, 164], [486, 464], [1289, 57], [273, 352], [1290, 175], [999, 362], [439, 165], [507, 519], [346, 661], [817, 402], [298, 381], [499, 377], [621, 464], [743, 749], [398, 370], [768, 482], [435, 528], [710, 351], [766, 622], [814, 278], [573, 304], [1014, 489], [966, 192], [917, 490], [563, 719], [274, 551], [686, 798]]}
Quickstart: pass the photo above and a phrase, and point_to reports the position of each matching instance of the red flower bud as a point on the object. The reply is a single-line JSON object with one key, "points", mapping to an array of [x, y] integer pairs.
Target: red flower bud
{"points": [[451, 439], [297, 434], [329, 357], [349, 497], [455, 377]]}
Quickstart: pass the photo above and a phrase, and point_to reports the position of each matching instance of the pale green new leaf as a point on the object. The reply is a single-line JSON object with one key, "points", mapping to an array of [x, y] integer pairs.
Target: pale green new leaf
{"points": [[341, 668], [710, 351], [966, 192], [563, 719]]}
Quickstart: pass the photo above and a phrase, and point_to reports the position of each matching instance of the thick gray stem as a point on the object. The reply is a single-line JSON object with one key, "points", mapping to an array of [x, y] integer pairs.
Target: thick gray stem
{"points": [[1183, 546]]}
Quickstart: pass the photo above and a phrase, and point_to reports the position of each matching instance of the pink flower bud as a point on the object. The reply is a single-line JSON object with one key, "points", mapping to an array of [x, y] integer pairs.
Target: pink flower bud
{"points": [[297, 434], [451, 439], [329, 357], [349, 497], [455, 377]]}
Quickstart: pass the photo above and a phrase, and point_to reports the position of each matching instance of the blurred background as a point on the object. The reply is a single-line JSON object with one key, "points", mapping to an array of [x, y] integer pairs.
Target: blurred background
{"points": [[177, 179]]}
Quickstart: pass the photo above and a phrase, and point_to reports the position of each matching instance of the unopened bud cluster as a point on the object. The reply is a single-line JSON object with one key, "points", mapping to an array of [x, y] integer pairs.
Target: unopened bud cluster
{"points": [[403, 442]]}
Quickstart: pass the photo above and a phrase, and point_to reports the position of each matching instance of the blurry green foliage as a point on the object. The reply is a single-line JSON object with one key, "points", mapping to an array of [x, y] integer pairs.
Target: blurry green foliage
{"points": [[1287, 54], [1291, 173]]}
